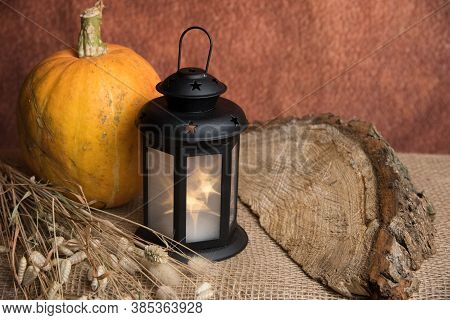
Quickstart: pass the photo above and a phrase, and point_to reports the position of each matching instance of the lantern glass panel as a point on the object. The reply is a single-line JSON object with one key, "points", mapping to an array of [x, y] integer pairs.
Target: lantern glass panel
{"points": [[234, 181], [203, 197], [160, 191]]}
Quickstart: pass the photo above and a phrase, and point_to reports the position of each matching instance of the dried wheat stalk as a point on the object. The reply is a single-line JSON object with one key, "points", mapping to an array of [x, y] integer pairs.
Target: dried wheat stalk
{"points": [[46, 235]]}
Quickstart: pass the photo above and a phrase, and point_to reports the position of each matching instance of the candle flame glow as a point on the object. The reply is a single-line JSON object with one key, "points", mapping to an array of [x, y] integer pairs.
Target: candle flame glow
{"points": [[198, 197]]}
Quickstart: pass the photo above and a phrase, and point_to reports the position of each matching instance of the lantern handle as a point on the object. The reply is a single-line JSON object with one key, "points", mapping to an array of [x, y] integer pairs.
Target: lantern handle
{"points": [[181, 42]]}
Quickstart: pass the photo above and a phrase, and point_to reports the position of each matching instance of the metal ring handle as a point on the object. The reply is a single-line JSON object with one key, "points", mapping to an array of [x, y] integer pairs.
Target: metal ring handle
{"points": [[181, 42]]}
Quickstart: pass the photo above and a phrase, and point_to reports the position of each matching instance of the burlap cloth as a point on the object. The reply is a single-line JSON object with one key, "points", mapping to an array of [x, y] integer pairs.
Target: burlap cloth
{"points": [[264, 271]]}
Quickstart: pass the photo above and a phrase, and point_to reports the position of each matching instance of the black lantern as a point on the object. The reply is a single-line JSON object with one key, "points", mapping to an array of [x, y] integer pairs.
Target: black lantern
{"points": [[190, 145]]}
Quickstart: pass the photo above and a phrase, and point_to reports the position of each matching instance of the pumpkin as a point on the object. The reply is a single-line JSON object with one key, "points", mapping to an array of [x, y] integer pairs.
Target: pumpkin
{"points": [[76, 116]]}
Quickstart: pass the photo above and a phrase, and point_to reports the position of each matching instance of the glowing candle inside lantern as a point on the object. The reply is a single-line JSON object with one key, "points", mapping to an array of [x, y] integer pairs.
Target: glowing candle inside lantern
{"points": [[203, 198]]}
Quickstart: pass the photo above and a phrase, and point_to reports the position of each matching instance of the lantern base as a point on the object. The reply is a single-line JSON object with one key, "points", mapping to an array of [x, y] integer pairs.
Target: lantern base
{"points": [[238, 241]]}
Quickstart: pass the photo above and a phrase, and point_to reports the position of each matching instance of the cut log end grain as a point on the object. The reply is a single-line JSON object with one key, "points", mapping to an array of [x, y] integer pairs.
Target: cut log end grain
{"points": [[335, 196]]}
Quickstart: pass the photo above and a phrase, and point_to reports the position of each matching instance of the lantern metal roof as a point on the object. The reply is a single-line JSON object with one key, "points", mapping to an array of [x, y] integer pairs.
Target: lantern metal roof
{"points": [[191, 108]]}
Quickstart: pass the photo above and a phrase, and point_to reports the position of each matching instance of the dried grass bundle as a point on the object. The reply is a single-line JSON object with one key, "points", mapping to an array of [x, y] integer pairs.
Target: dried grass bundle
{"points": [[47, 235]]}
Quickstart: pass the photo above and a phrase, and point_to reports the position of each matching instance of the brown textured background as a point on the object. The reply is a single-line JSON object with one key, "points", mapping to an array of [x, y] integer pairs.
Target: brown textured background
{"points": [[271, 54]]}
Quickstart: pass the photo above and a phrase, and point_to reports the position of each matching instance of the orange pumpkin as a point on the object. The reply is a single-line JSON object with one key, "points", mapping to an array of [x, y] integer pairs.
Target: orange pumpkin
{"points": [[76, 116]]}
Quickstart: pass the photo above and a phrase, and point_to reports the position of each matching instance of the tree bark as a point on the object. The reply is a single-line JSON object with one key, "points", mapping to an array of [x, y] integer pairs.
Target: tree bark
{"points": [[335, 196]]}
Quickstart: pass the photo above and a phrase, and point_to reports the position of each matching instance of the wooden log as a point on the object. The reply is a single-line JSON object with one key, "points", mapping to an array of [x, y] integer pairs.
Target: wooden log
{"points": [[335, 196]]}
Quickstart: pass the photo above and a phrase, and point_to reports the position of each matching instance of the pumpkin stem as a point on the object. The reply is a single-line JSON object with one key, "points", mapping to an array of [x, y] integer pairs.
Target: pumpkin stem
{"points": [[89, 41]]}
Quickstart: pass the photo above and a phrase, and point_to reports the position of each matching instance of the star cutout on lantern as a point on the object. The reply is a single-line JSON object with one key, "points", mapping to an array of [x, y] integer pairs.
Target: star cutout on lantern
{"points": [[190, 128], [235, 121], [195, 85]]}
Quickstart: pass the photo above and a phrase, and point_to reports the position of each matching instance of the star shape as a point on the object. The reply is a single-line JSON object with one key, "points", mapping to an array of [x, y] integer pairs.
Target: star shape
{"points": [[235, 121], [195, 85], [190, 128]]}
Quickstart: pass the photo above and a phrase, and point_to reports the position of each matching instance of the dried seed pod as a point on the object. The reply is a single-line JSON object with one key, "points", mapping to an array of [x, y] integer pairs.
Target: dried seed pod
{"points": [[123, 245], [101, 270], [77, 257], [165, 293], [199, 265], [3, 249], [101, 277], [102, 283], [204, 291], [94, 284], [165, 273], [155, 254], [66, 267], [95, 276], [63, 250], [90, 274], [30, 274], [114, 261], [95, 273], [56, 241], [37, 259], [139, 252], [53, 290], [129, 265], [204, 286], [74, 245], [205, 295], [21, 268], [108, 224]]}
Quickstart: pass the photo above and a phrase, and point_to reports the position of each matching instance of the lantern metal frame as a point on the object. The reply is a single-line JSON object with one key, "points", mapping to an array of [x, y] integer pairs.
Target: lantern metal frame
{"points": [[217, 124]]}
